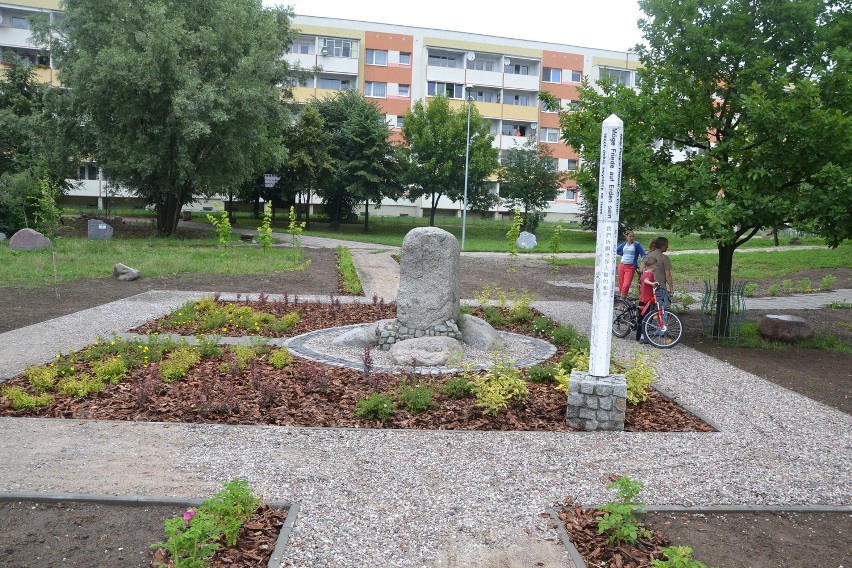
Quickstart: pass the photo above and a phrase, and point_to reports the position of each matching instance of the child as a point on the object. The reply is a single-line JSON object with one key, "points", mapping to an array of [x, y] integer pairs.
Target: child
{"points": [[646, 291]]}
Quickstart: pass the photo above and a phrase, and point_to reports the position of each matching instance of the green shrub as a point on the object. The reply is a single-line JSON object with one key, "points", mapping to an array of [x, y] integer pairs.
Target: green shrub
{"points": [[79, 386], [575, 360], [639, 376], [466, 310], [494, 316], [750, 289], [499, 387], [542, 373], [377, 406], [542, 325], [787, 285], [457, 388], [243, 354], [111, 370], [417, 398], [346, 266], [677, 557], [827, 283], [520, 310], [567, 335], [178, 364], [208, 345], [22, 400], [619, 518], [773, 290], [563, 380], [804, 286], [42, 378], [280, 358]]}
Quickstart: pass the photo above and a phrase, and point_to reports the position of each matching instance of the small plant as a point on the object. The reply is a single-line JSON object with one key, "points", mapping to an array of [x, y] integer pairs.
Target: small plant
{"points": [[542, 373], [483, 297], [773, 290], [500, 386], [555, 241], [494, 316], [377, 406], [346, 266], [567, 335], [42, 378], [367, 361], [827, 283], [196, 535], [521, 310], [208, 345], [178, 364], [677, 557], [563, 380], [264, 232], [295, 229], [79, 386], [804, 286], [512, 235], [841, 305], [681, 301], [542, 325], [243, 355], [21, 400], [787, 285], [459, 387], [575, 360], [112, 370], [619, 518], [750, 289], [639, 376], [416, 398], [280, 358], [223, 227]]}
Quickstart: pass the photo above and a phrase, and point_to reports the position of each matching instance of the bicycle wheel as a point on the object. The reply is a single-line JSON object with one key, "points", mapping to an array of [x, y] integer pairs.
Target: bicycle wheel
{"points": [[622, 318], [663, 334]]}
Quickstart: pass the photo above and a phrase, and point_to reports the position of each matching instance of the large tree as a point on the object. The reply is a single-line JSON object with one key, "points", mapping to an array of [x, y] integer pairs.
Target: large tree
{"points": [[366, 162], [180, 98], [437, 139], [530, 179], [742, 119]]}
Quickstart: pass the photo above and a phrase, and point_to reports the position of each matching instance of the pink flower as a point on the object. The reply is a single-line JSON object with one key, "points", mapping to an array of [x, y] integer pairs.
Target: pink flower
{"points": [[188, 515]]}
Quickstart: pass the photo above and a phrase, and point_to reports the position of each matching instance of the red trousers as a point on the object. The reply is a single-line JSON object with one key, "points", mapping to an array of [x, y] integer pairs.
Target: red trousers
{"points": [[625, 277]]}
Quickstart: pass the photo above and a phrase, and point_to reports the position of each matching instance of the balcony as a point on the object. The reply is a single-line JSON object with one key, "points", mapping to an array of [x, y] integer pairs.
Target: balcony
{"points": [[521, 82]]}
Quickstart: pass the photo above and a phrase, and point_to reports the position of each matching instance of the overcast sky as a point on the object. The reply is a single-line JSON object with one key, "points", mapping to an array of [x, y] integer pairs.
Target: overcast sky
{"points": [[605, 24]]}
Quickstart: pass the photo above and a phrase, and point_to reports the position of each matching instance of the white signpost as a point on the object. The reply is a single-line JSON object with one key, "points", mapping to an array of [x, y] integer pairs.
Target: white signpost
{"points": [[609, 201]]}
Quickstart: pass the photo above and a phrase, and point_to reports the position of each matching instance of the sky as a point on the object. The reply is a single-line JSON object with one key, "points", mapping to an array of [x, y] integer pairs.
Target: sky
{"points": [[604, 24]]}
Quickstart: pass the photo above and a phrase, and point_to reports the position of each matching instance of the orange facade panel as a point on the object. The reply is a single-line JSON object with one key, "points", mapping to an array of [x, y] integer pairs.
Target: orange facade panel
{"points": [[561, 60], [562, 151], [390, 42], [388, 73], [394, 105]]}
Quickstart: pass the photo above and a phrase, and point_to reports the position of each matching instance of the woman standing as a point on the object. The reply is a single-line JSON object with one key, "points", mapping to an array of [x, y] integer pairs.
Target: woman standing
{"points": [[630, 252]]}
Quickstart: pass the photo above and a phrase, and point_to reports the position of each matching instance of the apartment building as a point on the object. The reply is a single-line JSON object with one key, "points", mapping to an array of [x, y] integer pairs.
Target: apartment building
{"points": [[397, 65]]}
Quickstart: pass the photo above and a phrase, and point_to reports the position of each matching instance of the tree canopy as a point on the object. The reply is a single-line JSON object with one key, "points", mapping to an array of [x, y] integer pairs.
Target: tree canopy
{"points": [[437, 138], [176, 99], [530, 179], [740, 121]]}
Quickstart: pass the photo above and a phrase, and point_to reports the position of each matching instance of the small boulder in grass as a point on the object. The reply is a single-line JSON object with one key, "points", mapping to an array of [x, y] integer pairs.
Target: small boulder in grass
{"points": [[785, 328], [125, 273]]}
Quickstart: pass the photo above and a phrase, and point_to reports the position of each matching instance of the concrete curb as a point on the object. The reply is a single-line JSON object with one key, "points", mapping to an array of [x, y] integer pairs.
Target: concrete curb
{"points": [[275, 560]]}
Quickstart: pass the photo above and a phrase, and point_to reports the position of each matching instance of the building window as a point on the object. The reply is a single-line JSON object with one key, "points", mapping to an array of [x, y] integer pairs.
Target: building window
{"points": [[404, 58], [405, 90], [517, 69], [335, 84], [571, 194], [550, 135], [449, 90], [618, 76], [20, 23], [576, 76], [444, 61], [399, 121], [545, 108], [570, 165], [514, 130], [572, 106], [372, 89], [377, 57], [481, 65], [486, 97], [338, 47], [519, 100], [300, 47], [551, 75]]}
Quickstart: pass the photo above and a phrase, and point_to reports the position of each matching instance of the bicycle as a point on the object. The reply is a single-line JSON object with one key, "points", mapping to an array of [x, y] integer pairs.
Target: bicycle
{"points": [[661, 327]]}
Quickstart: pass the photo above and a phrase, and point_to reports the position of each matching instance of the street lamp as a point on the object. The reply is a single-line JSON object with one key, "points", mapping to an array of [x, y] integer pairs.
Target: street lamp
{"points": [[469, 89]]}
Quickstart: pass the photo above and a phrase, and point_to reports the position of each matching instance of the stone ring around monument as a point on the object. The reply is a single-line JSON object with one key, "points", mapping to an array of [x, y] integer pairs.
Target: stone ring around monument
{"points": [[519, 350]]}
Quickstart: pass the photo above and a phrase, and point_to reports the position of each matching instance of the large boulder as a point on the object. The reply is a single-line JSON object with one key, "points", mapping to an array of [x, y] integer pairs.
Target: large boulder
{"points": [[526, 241], [478, 333], [360, 336], [428, 279], [125, 273], [98, 229], [424, 351], [28, 239], [785, 328]]}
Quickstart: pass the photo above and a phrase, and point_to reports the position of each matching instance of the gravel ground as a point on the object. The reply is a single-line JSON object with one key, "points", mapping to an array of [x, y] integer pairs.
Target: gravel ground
{"points": [[431, 498]]}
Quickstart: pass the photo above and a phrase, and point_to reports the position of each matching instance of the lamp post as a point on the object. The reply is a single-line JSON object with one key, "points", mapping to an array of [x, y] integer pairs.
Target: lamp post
{"points": [[469, 90]]}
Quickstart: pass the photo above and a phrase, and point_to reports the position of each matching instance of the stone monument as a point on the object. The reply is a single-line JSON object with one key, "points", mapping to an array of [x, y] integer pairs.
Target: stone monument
{"points": [[597, 399], [28, 239], [98, 229]]}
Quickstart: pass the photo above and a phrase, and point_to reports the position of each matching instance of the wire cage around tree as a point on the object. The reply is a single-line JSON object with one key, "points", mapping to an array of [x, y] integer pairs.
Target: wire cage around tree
{"points": [[710, 303]]}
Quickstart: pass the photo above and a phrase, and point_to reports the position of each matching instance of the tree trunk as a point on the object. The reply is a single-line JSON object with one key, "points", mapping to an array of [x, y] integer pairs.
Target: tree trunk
{"points": [[367, 216], [168, 212], [432, 211], [308, 210], [230, 207], [722, 319], [775, 235]]}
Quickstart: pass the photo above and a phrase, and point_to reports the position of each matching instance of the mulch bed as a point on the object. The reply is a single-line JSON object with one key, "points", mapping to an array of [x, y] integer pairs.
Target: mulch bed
{"points": [[255, 543], [582, 527], [308, 393]]}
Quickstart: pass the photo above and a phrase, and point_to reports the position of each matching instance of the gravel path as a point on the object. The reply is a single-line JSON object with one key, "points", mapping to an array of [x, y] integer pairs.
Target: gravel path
{"points": [[430, 498]]}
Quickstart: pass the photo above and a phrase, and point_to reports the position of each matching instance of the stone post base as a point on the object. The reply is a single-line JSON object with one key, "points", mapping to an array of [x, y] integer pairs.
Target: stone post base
{"points": [[596, 403], [392, 332]]}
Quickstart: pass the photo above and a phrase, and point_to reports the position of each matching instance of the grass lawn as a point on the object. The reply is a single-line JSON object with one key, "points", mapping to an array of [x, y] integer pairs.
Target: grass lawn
{"points": [[77, 258]]}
